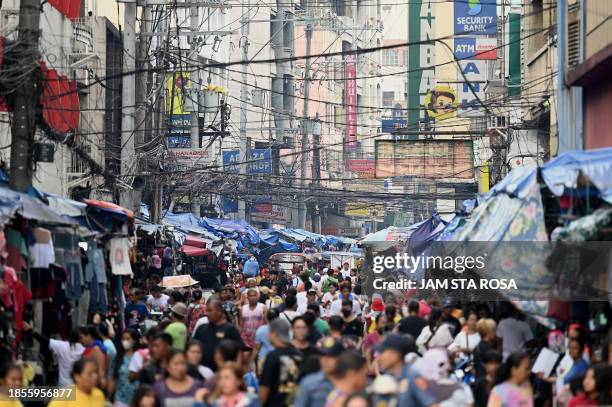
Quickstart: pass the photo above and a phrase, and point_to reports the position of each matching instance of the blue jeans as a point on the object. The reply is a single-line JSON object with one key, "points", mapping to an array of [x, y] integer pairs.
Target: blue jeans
{"points": [[98, 301]]}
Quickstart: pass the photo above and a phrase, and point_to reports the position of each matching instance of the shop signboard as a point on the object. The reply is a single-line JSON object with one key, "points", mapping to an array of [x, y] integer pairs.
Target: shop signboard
{"points": [[175, 88], [264, 210], [475, 17], [421, 57], [473, 89], [260, 162], [432, 159], [350, 98], [363, 166], [475, 48], [393, 124]]}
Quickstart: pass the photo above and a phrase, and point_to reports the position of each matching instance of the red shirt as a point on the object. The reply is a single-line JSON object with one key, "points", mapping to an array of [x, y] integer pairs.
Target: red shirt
{"points": [[581, 400]]}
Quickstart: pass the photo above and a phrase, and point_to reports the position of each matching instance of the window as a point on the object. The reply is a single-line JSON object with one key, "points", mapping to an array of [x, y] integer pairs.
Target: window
{"points": [[391, 57], [387, 98], [338, 116], [405, 54]]}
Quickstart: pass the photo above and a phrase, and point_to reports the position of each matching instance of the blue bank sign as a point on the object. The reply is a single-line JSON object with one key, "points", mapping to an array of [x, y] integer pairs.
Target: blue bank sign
{"points": [[475, 17], [261, 161], [390, 125]]}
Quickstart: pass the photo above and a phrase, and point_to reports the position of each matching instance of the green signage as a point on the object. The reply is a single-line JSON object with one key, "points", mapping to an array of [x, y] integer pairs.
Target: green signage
{"points": [[421, 58], [514, 54]]}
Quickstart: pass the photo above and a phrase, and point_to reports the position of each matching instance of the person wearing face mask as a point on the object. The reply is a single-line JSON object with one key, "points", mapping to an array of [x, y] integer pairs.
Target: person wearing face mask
{"points": [[120, 369], [353, 327]]}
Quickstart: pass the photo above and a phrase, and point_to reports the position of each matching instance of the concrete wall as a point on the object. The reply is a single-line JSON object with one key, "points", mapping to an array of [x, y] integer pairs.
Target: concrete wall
{"points": [[598, 26], [597, 102]]}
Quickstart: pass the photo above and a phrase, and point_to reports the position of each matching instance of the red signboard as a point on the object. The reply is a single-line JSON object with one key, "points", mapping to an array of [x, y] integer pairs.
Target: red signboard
{"points": [[69, 8], [350, 99], [366, 168]]}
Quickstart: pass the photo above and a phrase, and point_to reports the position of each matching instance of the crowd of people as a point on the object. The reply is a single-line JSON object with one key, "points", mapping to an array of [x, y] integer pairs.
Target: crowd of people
{"points": [[309, 337]]}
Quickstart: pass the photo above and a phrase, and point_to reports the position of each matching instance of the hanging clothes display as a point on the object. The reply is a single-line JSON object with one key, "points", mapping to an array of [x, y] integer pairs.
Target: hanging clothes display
{"points": [[68, 255], [17, 250], [119, 256], [42, 253], [95, 264]]}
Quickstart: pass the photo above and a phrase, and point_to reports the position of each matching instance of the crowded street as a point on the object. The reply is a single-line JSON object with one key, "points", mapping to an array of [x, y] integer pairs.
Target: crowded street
{"points": [[282, 203]]}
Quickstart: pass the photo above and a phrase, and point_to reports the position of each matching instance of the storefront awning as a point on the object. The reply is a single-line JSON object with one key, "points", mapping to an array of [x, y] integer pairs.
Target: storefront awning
{"points": [[192, 251]]}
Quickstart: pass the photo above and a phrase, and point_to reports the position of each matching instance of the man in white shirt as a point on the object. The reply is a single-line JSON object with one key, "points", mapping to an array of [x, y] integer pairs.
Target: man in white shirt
{"points": [[157, 300], [514, 333], [345, 292], [346, 270]]}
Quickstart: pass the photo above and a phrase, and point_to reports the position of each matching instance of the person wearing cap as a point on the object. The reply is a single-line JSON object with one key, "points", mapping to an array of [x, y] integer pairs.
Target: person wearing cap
{"points": [[315, 387], [279, 378], [311, 299], [448, 318], [413, 389], [177, 328], [377, 307]]}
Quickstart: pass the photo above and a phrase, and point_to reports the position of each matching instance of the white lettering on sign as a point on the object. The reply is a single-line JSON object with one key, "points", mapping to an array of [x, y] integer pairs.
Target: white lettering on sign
{"points": [[427, 54], [475, 24], [473, 89]]}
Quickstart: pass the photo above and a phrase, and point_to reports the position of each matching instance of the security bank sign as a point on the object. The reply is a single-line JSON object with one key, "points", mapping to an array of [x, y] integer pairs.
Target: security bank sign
{"points": [[475, 17]]}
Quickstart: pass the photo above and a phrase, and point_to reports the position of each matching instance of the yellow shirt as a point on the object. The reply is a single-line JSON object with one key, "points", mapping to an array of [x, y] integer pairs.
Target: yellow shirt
{"points": [[95, 399], [10, 403]]}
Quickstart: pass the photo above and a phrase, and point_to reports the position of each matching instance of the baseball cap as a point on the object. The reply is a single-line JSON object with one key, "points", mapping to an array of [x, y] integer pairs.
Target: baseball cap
{"points": [[312, 291], [377, 305], [448, 303], [330, 347], [394, 342]]}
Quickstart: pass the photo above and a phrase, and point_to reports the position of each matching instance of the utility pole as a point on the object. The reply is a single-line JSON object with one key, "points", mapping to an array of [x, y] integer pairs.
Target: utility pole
{"points": [[25, 97], [195, 89], [142, 120], [244, 94], [128, 101], [316, 170], [305, 122]]}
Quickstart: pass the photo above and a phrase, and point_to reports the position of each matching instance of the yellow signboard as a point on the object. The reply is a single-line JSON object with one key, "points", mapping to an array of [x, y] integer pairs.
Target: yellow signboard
{"points": [[441, 102], [176, 85], [364, 210]]}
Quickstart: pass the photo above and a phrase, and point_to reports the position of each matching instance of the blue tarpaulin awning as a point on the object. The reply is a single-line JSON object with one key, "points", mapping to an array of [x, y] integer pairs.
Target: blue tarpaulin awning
{"points": [[12, 202]]}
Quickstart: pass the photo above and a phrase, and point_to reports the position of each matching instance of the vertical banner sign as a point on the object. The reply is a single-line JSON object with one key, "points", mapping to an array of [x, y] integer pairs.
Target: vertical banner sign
{"points": [[475, 17], [421, 58], [350, 99], [514, 60], [475, 75]]}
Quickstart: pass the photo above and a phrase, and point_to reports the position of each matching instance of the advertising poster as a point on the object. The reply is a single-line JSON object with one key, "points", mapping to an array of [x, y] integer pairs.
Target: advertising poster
{"points": [[425, 158], [475, 17], [441, 103]]}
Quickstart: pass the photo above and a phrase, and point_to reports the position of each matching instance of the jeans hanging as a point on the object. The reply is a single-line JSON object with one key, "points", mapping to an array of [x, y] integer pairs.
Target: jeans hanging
{"points": [[98, 301], [74, 283]]}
